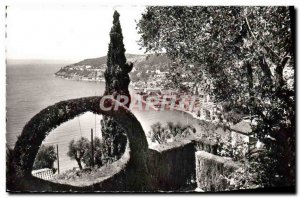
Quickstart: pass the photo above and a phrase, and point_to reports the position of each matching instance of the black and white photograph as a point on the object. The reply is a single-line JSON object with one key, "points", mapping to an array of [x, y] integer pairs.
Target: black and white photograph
{"points": [[150, 98]]}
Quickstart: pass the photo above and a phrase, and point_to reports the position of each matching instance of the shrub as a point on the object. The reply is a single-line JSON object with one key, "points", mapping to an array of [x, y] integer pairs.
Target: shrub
{"points": [[171, 131], [45, 157]]}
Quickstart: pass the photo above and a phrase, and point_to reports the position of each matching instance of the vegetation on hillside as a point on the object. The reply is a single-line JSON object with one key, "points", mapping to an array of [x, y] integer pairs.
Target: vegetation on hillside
{"points": [[145, 65]]}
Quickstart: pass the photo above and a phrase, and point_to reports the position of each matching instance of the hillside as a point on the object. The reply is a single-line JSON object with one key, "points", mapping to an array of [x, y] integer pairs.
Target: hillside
{"points": [[93, 69]]}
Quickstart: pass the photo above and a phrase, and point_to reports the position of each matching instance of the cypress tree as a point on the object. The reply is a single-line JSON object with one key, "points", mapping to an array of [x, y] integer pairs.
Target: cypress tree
{"points": [[116, 75], [116, 83]]}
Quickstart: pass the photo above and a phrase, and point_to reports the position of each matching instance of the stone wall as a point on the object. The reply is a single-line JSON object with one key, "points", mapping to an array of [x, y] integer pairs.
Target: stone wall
{"points": [[210, 170], [202, 144], [172, 166]]}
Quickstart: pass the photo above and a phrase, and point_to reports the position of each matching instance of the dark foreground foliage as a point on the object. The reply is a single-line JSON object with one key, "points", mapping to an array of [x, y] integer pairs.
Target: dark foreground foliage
{"points": [[244, 58]]}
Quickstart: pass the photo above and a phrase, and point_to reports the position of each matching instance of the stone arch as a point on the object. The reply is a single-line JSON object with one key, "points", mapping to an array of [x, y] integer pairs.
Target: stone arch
{"points": [[132, 177]]}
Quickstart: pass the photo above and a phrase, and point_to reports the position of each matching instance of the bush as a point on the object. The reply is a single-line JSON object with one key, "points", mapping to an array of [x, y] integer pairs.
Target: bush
{"points": [[171, 131], [45, 157]]}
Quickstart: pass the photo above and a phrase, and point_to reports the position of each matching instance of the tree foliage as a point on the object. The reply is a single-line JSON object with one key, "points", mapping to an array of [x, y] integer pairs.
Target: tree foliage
{"points": [[116, 74], [114, 139], [87, 157], [81, 151], [78, 149], [240, 55], [45, 157]]}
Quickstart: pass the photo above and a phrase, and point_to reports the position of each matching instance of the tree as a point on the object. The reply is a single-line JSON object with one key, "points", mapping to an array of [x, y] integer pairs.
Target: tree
{"points": [[87, 157], [116, 83], [240, 54], [116, 73], [114, 139], [45, 157], [78, 149]]}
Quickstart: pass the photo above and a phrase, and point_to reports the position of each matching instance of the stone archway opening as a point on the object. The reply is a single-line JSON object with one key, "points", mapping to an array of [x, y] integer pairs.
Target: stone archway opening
{"points": [[53, 153]]}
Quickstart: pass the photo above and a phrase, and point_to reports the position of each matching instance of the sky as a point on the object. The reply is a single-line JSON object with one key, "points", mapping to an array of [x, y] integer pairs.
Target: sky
{"points": [[73, 32]]}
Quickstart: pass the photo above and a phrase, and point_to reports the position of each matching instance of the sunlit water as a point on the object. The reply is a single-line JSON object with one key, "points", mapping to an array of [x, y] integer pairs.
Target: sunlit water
{"points": [[31, 88]]}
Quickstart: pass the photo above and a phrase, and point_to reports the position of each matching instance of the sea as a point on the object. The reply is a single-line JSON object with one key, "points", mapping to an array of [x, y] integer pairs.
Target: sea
{"points": [[32, 87]]}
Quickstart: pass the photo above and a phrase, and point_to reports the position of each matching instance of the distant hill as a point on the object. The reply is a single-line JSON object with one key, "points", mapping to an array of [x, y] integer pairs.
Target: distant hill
{"points": [[139, 60], [92, 61], [93, 68]]}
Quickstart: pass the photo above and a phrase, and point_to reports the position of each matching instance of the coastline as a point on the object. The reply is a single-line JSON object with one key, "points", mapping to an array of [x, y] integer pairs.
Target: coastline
{"points": [[79, 79], [144, 102]]}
